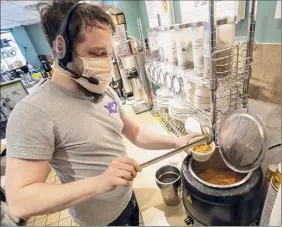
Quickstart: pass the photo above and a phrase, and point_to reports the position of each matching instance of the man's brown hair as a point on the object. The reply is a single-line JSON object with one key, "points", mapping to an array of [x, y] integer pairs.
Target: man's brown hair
{"points": [[85, 15]]}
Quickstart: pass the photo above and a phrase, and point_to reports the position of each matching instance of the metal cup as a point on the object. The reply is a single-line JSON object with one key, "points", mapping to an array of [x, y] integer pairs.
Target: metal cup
{"points": [[169, 182]]}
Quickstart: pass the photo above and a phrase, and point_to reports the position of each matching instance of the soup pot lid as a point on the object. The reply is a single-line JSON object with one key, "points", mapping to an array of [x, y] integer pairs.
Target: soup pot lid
{"points": [[243, 142]]}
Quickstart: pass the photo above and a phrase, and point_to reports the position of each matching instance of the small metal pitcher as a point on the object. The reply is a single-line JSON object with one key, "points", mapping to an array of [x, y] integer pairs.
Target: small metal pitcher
{"points": [[169, 182]]}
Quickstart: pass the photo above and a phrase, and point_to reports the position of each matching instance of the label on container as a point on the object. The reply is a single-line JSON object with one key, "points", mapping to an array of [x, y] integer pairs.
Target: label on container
{"points": [[198, 54], [172, 54]]}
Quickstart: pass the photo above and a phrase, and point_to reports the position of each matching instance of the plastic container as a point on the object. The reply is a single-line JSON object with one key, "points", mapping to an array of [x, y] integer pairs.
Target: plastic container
{"points": [[225, 35], [183, 36], [198, 47], [153, 44], [171, 45], [161, 43]]}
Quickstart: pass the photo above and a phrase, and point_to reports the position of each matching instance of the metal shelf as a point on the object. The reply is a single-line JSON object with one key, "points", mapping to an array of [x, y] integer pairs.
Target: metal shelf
{"points": [[227, 77]]}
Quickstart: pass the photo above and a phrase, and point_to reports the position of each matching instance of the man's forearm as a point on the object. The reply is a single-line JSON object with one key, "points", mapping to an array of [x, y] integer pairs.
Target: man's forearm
{"points": [[43, 198], [152, 141]]}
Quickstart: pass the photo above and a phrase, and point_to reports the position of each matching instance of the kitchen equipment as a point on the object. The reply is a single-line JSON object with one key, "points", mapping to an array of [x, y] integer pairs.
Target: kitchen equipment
{"points": [[270, 200], [135, 83], [126, 82], [243, 142], [207, 137], [115, 70], [215, 205], [242, 147], [169, 182]]}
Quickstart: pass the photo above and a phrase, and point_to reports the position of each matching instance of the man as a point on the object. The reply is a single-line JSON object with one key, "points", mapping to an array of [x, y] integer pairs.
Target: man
{"points": [[76, 126]]}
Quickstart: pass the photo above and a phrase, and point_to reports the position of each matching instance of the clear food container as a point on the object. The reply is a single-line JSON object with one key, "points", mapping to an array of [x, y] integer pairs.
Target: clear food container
{"points": [[161, 43], [225, 35], [153, 44], [183, 35], [198, 47], [171, 45]]}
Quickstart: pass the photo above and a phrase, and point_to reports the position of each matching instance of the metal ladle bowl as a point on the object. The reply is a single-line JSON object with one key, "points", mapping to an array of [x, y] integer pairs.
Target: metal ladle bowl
{"points": [[208, 137]]}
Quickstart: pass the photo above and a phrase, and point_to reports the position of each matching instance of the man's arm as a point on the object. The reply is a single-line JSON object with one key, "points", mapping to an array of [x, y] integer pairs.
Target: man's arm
{"points": [[152, 141], [29, 195]]}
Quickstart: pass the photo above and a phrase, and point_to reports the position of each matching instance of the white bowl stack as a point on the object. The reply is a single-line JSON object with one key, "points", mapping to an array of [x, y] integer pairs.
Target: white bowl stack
{"points": [[189, 88], [202, 97], [179, 111], [164, 96]]}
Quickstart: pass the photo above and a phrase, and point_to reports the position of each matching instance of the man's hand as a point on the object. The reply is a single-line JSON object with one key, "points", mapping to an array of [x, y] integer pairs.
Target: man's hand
{"points": [[183, 140], [120, 172]]}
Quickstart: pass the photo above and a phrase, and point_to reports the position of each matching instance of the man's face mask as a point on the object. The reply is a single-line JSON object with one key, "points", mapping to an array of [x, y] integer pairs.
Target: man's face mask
{"points": [[99, 68]]}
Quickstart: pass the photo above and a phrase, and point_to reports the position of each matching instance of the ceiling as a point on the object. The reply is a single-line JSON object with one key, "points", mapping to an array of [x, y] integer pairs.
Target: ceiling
{"points": [[17, 13]]}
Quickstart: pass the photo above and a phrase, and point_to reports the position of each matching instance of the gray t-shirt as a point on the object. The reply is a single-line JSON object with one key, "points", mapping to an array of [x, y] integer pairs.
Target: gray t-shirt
{"points": [[79, 138]]}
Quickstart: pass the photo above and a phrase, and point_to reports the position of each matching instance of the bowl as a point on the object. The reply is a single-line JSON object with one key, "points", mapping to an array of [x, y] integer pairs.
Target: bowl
{"points": [[202, 157]]}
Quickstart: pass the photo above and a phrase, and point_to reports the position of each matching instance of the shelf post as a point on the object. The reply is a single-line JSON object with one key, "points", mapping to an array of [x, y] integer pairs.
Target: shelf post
{"points": [[250, 48], [212, 45]]}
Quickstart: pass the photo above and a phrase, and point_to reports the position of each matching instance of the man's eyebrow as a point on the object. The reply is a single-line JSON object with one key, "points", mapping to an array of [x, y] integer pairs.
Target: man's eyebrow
{"points": [[97, 48]]}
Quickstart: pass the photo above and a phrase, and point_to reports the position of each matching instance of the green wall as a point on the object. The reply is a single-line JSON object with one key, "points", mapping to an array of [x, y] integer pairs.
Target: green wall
{"points": [[21, 36], [268, 29], [38, 39], [132, 13]]}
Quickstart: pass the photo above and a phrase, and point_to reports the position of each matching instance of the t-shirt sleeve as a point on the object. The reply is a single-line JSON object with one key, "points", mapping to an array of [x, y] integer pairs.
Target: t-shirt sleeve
{"points": [[30, 133]]}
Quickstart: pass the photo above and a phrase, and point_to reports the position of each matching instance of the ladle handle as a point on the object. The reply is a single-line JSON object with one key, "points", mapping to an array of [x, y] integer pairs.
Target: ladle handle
{"points": [[174, 152]]}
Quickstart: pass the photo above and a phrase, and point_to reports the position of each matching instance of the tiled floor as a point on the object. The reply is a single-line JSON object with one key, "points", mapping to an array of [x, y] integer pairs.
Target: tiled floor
{"points": [[61, 218]]}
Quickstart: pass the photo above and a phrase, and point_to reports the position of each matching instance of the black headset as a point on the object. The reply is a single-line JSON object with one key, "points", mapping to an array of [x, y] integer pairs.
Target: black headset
{"points": [[63, 47]]}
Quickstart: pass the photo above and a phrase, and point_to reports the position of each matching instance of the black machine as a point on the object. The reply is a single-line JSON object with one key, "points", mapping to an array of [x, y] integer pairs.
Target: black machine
{"points": [[63, 47], [237, 206]]}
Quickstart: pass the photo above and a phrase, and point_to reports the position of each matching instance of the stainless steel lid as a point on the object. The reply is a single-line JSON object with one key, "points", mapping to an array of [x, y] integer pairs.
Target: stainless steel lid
{"points": [[243, 142]]}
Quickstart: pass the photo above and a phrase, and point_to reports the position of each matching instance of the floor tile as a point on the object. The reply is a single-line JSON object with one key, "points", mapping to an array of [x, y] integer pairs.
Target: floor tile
{"points": [[65, 222], [51, 218], [73, 223], [64, 214], [31, 219], [40, 222], [57, 178], [54, 224], [140, 218], [30, 223], [52, 174], [50, 180], [40, 216]]}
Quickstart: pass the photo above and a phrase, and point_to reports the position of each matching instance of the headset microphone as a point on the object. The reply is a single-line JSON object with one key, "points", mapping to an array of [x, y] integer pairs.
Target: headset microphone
{"points": [[91, 80]]}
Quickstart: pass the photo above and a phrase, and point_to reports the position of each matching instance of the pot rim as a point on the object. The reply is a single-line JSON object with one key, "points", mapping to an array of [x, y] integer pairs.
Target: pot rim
{"points": [[245, 179], [170, 183]]}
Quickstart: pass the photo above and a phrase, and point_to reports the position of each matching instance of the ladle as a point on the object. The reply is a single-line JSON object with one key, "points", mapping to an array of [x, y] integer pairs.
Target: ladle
{"points": [[207, 137]]}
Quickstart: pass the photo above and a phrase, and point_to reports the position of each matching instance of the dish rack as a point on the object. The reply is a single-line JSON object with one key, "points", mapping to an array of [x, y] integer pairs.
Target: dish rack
{"points": [[229, 74]]}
